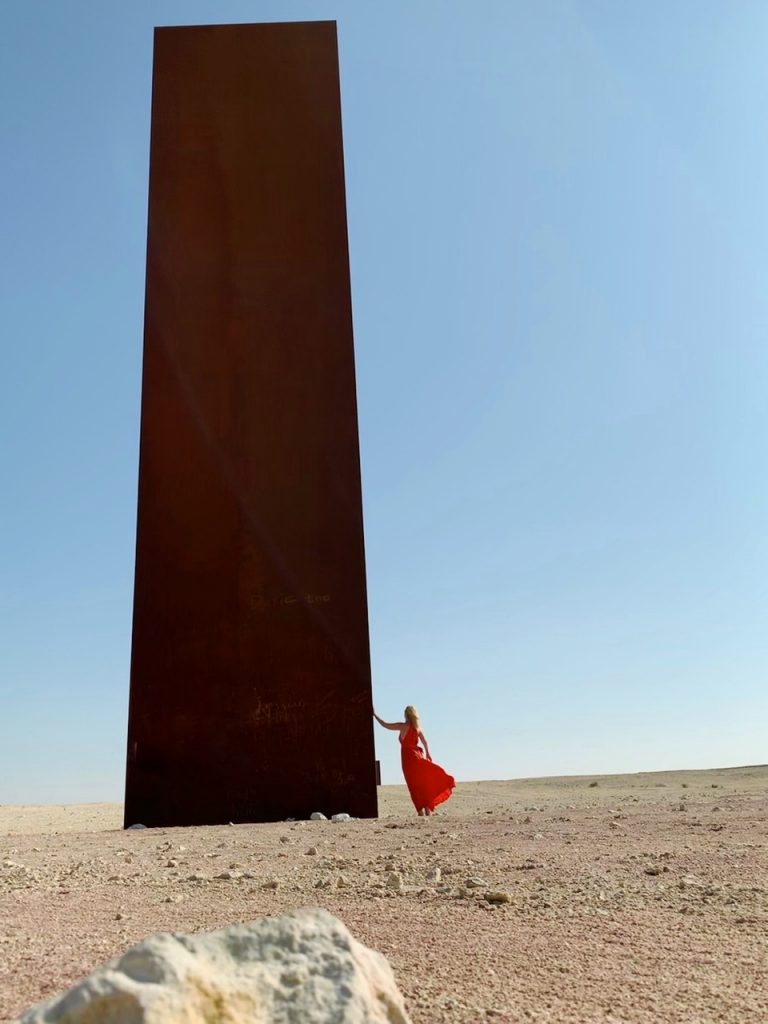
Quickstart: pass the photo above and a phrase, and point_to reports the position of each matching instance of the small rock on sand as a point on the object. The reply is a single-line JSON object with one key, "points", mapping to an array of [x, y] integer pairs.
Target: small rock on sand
{"points": [[304, 966]]}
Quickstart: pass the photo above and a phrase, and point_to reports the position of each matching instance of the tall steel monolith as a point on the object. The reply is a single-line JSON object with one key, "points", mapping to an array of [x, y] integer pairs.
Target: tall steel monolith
{"points": [[250, 693]]}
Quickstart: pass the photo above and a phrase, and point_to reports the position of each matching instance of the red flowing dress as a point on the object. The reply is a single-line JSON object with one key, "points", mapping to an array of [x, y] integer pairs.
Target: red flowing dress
{"points": [[427, 783]]}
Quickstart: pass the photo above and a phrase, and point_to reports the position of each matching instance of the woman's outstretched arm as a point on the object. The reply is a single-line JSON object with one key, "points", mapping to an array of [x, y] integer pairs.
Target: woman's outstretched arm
{"points": [[387, 725]]}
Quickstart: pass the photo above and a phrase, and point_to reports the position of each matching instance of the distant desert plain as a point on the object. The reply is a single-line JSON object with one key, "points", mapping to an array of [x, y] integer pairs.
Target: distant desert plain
{"points": [[626, 898]]}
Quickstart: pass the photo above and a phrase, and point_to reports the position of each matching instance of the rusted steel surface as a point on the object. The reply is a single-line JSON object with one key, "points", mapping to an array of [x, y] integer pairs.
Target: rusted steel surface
{"points": [[250, 673]]}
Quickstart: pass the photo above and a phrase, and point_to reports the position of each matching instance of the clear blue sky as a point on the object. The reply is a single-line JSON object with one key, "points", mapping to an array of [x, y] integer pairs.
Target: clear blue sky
{"points": [[558, 226]]}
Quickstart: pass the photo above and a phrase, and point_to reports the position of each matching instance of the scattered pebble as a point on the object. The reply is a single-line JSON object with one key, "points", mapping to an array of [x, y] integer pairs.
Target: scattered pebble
{"points": [[498, 897]]}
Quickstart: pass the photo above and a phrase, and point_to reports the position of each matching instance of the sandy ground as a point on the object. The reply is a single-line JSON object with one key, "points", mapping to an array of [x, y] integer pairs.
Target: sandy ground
{"points": [[636, 898]]}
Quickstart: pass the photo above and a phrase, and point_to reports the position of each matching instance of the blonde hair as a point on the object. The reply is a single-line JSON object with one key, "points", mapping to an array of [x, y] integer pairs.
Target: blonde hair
{"points": [[412, 716]]}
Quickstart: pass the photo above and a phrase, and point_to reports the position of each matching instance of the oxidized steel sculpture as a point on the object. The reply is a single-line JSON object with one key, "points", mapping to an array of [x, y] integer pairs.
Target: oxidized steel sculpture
{"points": [[250, 671]]}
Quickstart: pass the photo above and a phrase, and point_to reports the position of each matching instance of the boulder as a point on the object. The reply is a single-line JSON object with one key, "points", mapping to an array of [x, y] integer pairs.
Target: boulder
{"points": [[300, 968]]}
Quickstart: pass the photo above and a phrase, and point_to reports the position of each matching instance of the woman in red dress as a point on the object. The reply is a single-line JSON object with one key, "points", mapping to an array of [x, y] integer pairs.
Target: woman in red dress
{"points": [[427, 783]]}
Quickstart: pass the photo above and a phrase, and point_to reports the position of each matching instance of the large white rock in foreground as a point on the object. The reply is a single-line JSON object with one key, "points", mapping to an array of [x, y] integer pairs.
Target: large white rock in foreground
{"points": [[299, 968]]}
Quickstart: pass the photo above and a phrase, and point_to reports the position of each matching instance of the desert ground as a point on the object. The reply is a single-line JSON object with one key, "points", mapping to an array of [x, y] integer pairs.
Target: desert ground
{"points": [[635, 898]]}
